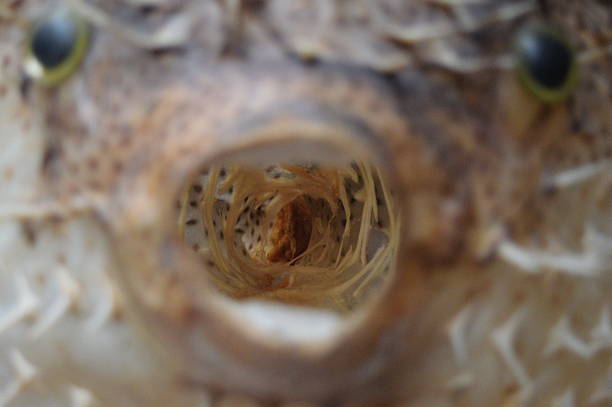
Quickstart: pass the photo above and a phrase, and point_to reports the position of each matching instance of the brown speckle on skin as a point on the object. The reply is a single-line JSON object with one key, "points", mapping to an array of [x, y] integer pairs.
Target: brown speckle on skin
{"points": [[25, 84], [95, 185], [8, 174], [6, 61], [29, 232], [117, 167], [93, 163]]}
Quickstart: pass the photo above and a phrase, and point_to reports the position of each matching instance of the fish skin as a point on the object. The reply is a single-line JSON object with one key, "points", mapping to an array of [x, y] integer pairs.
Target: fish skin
{"points": [[509, 305]]}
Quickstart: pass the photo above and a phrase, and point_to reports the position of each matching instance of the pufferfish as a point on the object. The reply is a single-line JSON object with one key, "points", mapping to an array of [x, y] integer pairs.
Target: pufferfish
{"points": [[305, 203]]}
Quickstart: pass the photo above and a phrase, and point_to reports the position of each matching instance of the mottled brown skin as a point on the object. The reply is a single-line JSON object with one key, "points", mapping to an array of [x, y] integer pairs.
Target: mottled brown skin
{"points": [[466, 148]]}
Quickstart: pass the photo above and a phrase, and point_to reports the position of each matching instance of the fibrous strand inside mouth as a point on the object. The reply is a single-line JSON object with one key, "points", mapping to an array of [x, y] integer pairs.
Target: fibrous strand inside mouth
{"points": [[298, 233]]}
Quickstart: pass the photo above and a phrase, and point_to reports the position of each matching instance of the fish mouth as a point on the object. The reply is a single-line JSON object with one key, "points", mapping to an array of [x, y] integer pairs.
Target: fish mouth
{"points": [[272, 262], [308, 230], [290, 224]]}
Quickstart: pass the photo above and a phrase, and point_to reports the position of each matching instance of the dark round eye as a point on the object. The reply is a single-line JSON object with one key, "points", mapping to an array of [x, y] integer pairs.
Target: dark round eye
{"points": [[56, 46], [546, 62]]}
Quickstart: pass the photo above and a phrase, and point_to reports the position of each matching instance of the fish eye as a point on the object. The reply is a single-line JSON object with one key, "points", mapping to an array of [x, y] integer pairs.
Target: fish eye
{"points": [[55, 47], [546, 63]]}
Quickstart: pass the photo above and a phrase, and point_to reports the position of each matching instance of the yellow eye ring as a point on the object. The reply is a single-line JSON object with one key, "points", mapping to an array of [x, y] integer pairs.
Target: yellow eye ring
{"points": [[546, 63], [55, 47]]}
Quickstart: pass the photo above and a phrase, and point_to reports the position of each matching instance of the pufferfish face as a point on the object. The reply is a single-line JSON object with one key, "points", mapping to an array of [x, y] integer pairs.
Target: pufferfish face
{"points": [[337, 202]]}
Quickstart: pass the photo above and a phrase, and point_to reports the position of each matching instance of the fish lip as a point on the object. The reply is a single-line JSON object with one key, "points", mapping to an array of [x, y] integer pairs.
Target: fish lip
{"points": [[205, 345]]}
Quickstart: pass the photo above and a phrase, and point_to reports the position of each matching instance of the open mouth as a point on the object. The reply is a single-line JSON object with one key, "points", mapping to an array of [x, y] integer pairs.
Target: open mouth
{"points": [[318, 233], [273, 255]]}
